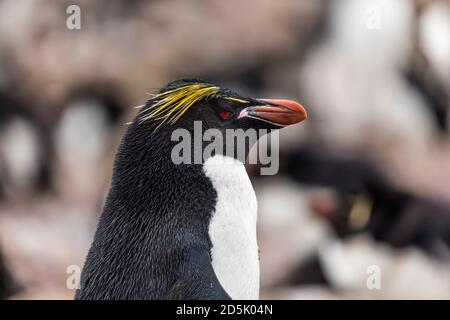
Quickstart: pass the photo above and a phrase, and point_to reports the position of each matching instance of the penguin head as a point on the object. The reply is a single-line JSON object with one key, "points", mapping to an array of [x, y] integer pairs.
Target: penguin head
{"points": [[181, 102], [189, 103]]}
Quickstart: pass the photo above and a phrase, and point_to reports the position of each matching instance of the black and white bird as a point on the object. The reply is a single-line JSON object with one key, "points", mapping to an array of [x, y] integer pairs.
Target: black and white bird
{"points": [[181, 231]]}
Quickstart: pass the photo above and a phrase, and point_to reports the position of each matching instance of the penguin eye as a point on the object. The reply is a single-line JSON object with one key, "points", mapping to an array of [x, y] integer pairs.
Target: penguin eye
{"points": [[225, 115]]}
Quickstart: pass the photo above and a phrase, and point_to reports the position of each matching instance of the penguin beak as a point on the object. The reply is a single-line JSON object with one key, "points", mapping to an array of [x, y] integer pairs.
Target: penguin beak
{"points": [[278, 112]]}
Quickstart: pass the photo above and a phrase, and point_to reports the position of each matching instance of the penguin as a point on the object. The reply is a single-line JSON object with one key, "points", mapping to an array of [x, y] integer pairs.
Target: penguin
{"points": [[181, 231]]}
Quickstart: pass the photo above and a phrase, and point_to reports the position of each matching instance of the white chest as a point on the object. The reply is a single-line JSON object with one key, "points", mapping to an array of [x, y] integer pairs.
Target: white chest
{"points": [[233, 228]]}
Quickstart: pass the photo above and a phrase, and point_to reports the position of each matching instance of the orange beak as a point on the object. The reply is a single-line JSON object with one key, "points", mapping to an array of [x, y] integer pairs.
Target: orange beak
{"points": [[278, 112]]}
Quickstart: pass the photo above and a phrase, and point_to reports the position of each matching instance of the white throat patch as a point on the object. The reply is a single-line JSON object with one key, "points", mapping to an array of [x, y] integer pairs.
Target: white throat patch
{"points": [[232, 229]]}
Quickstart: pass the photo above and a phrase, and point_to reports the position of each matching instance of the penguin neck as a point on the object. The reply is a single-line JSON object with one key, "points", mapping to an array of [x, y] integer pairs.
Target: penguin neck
{"points": [[232, 228]]}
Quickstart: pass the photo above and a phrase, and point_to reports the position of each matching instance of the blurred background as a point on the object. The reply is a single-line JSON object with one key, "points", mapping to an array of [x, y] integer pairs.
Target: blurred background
{"points": [[364, 184]]}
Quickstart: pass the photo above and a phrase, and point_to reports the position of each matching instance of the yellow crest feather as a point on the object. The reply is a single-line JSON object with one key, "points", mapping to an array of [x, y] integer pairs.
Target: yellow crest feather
{"points": [[170, 105]]}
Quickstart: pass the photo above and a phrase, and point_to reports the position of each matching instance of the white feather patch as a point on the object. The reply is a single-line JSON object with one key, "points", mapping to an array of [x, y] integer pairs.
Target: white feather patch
{"points": [[232, 229]]}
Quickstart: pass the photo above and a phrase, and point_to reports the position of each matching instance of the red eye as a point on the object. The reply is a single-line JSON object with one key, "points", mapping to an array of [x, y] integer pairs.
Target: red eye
{"points": [[225, 115]]}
